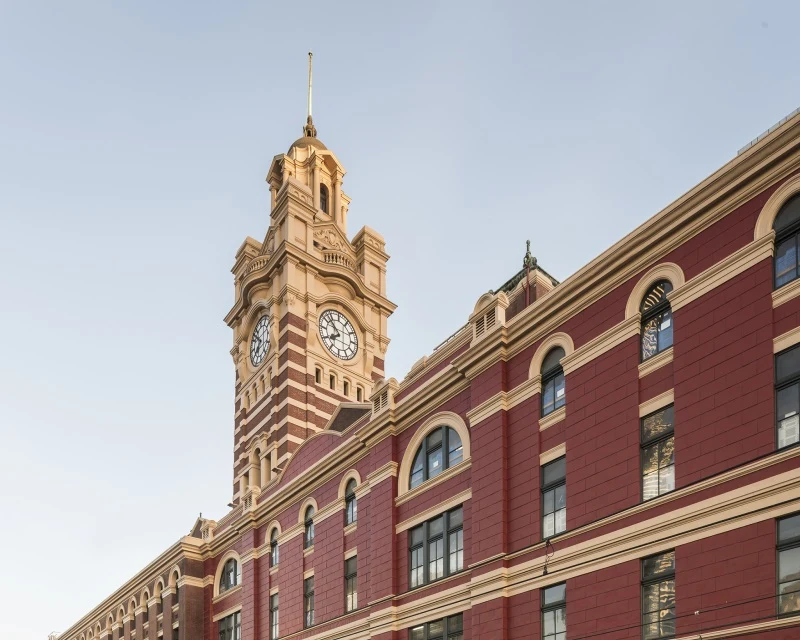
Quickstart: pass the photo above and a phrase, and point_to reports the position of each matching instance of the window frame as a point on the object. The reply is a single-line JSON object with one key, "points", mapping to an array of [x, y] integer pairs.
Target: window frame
{"points": [[791, 231], [274, 548], [324, 197], [274, 616], [447, 634], [656, 441], [423, 450], [781, 385], [780, 546], [651, 314], [350, 584], [236, 621], [223, 587], [350, 503], [447, 531], [553, 606], [646, 582], [308, 527], [308, 602], [551, 376], [552, 486]]}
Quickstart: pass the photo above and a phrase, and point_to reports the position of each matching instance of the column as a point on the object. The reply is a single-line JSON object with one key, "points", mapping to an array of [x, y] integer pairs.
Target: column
{"points": [[315, 185], [337, 197], [265, 470]]}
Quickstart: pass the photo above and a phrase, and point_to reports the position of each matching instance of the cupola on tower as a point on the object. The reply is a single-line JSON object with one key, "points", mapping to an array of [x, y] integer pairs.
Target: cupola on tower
{"points": [[310, 313]]}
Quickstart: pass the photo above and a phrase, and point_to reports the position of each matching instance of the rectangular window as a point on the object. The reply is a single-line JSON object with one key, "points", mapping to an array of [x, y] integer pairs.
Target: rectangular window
{"points": [[789, 565], [554, 612], [436, 548], [308, 602], [553, 396], [787, 392], [658, 596], [176, 633], [451, 628], [658, 453], [351, 584], [230, 628], [274, 622], [554, 497]]}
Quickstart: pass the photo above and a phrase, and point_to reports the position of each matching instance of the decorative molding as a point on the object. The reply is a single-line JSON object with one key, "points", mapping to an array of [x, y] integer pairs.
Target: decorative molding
{"points": [[785, 293], [606, 341], [350, 528], [654, 404], [308, 574], [221, 596], [656, 362], [350, 553], [553, 454], [786, 340], [226, 613], [433, 482], [388, 470], [772, 206], [724, 270], [558, 339], [663, 271], [308, 551], [433, 511], [505, 400], [553, 418]]}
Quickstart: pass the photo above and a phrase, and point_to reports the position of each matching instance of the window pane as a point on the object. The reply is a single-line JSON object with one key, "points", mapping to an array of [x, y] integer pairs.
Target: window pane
{"points": [[788, 402], [416, 535], [418, 633], [561, 620], [436, 559], [555, 471], [455, 623], [789, 599], [456, 543], [789, 528], [665, 330], [650, 339], [658, 424], [666, 452], [456, 517], [548, 397], [561, 520], [436, 526], [549, 626], [788, 431], [655, 566], [787, 364], [549, 526], [417, 470], [561, 496], [666, 480], [549, 501], [434, 438], [789, 565], [650, 459], [785, 261], [554, 594], [434, 462], [436, 629], [455, 452], [560, 396], [552, 359]]}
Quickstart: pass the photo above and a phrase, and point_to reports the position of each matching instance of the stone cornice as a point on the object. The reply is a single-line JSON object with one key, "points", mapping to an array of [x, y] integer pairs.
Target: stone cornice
{"points": [[656, 362]]}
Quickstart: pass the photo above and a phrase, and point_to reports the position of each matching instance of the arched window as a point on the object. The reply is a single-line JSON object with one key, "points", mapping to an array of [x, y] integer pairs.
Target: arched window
{"points": [[656, 320], [350, 503], [787, 232], [230, 575], [308, 538], [323, 198], [274, 551], [440, 450], [553, 394]]}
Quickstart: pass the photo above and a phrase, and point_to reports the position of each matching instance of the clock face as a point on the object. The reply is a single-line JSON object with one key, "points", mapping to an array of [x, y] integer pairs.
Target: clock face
{"points": [[338, 335], [259, 343]]}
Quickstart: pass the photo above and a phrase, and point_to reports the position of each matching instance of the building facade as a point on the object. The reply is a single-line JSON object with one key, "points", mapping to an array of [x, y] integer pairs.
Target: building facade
{"points": [[614, 456]]}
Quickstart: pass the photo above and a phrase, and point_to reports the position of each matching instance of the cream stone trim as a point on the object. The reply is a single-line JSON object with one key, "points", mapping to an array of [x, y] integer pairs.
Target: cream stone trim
{"points": [[350, 475], [772, 207], [558, 339], [723, 271], [351, 527], [786, 340], [191, 581], [273, 571], [744, 630], [434, 482], [553, 454], [384, 472], [308, 574], [274, 590], [785, 293], [654, 404], [505, 400], [274, 524], [350, 553], [433, 511], [301, 515], [443, 418], [221, 565], [221, 596], [226, 613], [307, 552], [664, 271], [656, 362], [553, 418], [330, 509], [606, 341]]}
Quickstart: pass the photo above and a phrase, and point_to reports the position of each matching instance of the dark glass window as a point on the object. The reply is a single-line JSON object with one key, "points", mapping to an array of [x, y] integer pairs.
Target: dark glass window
{"points": [[323, 198], [554, 497], [553, 393], [274, 622], [554, 612], [176, 633], [787, 230], [451, 628], [351, 584], [308, 602], [658, 453], [656, 320], [658, 596], [787, 392], [230, 575], [789, 565], [350, 503], [230, 628], [308, 538], [318, 376], [358, 394], [436, 548], [274, 549], [440, 450]]}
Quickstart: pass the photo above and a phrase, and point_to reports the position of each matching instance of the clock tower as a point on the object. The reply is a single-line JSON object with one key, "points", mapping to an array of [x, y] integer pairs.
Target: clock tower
{"points": [[310, 313]]}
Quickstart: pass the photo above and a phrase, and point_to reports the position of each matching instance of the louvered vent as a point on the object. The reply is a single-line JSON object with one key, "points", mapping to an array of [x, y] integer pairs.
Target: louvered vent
{"points": [[380, 402]]}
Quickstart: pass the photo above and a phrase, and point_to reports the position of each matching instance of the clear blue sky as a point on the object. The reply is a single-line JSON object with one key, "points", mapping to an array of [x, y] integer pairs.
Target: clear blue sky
{"points": [[134, 142]]}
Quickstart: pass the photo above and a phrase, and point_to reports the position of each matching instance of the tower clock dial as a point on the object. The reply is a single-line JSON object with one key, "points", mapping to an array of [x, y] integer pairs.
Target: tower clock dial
{"points": [[338, 335], [259, 343]]}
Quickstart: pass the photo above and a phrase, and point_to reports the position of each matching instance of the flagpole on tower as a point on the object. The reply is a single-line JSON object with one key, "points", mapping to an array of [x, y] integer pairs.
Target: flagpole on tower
{"points": [[309, 130]]}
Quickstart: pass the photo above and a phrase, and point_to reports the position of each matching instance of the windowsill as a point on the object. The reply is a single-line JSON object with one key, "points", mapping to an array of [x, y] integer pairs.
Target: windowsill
{"points": [[660, 495], [552, 418], [439, 581], [350, 528], [309, 551], [225, 594], [656, 362], [787, 292], [433, 482], [273, 570]]}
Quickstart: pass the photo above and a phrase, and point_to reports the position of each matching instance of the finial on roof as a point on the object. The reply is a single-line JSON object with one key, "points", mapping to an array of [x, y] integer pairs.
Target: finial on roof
{"points": [[309, 130], [528, 260]]}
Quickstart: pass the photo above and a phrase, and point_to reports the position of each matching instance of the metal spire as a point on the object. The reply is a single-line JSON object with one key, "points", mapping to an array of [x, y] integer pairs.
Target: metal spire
{"points": [[309, 130]]}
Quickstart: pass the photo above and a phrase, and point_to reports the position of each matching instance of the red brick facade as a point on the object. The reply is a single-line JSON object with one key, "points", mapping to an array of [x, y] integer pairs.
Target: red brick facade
{"points": [[732, 482]]}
